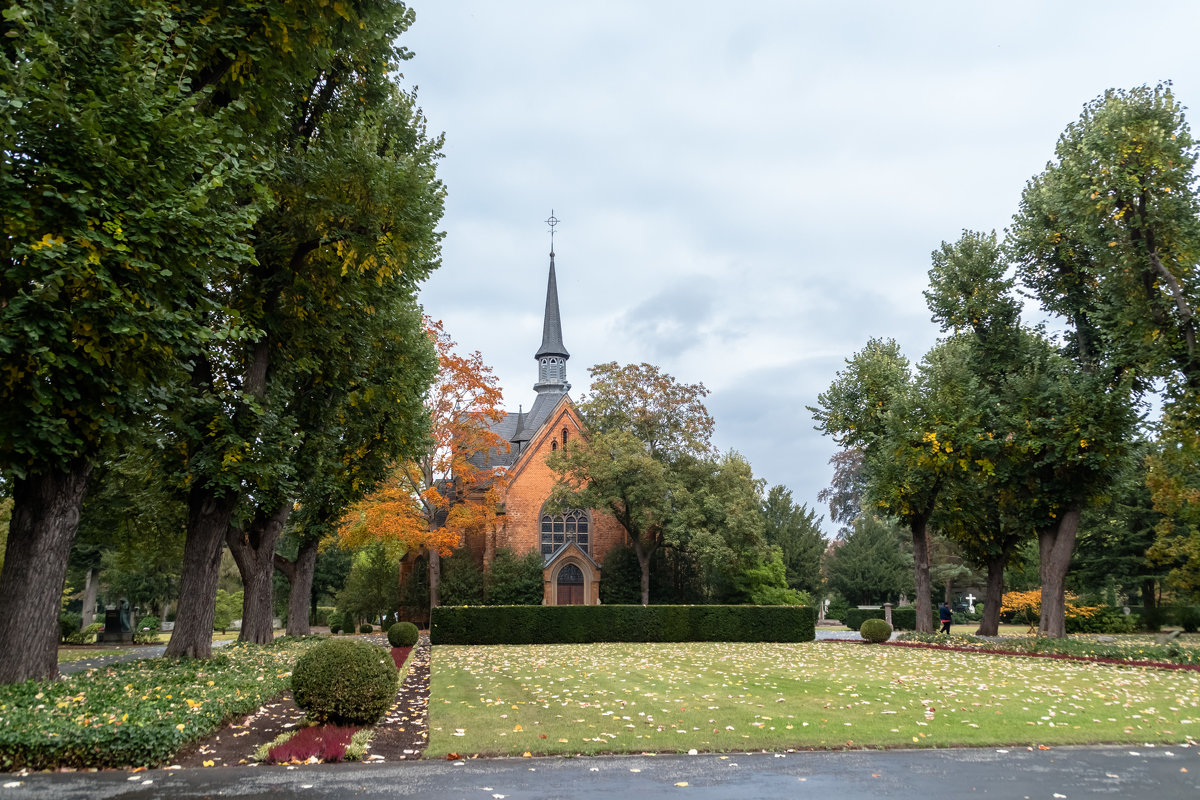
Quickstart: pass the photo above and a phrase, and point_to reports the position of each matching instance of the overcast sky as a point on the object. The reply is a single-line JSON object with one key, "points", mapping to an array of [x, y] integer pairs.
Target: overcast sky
{"points": [[748, 191]]}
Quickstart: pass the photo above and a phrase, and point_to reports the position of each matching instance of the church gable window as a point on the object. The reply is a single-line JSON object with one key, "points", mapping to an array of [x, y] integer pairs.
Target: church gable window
{"points": [[558, 529]]}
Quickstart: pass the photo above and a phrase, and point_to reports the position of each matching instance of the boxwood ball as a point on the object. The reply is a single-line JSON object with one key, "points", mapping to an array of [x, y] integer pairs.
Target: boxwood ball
{"points": [[345, 682]]}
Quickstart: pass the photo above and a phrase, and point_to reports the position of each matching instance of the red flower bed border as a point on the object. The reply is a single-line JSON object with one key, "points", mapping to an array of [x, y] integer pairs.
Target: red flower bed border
{"points": [[326, 742], [1062, 656], [400, 655]]}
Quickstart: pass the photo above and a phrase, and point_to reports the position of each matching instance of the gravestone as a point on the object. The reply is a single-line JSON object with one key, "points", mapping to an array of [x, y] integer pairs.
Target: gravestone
{"points": [[117, 628]]}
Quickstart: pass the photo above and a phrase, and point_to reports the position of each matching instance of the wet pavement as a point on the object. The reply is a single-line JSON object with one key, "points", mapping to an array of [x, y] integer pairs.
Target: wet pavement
{"points": [[1018, 773], [128, 653]]}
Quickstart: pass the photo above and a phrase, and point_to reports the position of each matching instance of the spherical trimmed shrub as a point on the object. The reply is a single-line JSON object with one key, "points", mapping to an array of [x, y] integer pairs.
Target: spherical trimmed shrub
{"points": [[403, 634], [875, 630], [365, 628], [345, 682], [335, 626]]}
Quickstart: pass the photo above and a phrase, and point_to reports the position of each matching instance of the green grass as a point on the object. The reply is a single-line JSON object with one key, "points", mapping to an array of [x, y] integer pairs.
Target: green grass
{"points": [[77, 654], [1133, 648], [674, 697], [137, 713]]}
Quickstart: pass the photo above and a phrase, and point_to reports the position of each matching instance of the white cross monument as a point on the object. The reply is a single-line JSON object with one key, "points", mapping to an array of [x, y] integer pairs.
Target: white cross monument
{"points": [[970, 598]]}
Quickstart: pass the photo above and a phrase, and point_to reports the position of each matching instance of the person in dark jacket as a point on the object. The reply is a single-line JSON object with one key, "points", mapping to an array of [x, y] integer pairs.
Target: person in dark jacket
{"points": [[946, 618]]}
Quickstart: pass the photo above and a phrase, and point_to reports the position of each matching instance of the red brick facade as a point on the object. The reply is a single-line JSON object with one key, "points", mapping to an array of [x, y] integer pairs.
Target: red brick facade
{"points": [[529, 485]]}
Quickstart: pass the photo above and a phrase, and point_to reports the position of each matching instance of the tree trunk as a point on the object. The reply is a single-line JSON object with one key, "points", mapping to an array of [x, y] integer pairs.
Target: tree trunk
{"points": [[948, 595], [644, 555], [91, 587], [993, 597], [435, 577], [920, 537], [489, 548], [1148, 601], [1055, 546], [254, 552], [300, 578], [209, 513], [45, 516]]}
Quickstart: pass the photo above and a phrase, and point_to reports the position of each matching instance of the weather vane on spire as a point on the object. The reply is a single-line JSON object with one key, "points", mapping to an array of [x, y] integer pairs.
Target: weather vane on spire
{"points": [[552, 221]]}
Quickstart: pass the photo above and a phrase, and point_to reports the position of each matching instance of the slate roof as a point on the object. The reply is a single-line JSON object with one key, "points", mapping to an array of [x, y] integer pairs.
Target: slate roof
{"points": [[552, 343], [521, 427]]}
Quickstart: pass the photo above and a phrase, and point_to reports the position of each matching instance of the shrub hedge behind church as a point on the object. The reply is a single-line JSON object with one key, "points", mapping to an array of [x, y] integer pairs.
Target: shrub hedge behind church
{"points": [[571, 624]]}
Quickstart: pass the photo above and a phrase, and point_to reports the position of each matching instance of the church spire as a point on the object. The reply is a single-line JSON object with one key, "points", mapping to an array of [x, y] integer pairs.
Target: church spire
{"points": [[552, 355]]}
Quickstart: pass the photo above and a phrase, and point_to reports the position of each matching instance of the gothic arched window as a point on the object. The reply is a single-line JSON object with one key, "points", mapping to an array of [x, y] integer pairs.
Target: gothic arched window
{"points": [[558, 529], [564, 434]]}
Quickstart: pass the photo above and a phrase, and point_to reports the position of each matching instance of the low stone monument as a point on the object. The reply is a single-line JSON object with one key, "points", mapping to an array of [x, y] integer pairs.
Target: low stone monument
{"points": [[117, 626]]}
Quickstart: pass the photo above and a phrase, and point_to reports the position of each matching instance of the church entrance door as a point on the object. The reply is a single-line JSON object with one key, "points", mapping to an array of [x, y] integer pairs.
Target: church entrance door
{"points": [[570, 586]]}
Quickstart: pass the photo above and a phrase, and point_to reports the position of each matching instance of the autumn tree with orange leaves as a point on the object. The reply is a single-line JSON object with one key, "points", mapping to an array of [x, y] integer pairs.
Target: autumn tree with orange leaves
{"points": [[454, 488]]}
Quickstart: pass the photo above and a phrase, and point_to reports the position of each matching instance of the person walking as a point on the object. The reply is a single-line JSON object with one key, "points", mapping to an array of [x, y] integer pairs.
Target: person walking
{"points": [[946, 618]]}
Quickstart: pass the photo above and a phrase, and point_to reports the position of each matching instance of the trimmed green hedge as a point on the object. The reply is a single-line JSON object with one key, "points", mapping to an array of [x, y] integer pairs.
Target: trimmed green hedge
{"points": [[904, 618], [569, 624], [1154, 618]]}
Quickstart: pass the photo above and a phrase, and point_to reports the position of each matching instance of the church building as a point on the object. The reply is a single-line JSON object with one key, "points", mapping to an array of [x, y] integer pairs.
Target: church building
{"points": [[573, 545]]}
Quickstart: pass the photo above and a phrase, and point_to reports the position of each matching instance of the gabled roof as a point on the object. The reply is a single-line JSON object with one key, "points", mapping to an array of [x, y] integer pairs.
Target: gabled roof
{"points": [[569, 548], [517, 464], [521, 428]]}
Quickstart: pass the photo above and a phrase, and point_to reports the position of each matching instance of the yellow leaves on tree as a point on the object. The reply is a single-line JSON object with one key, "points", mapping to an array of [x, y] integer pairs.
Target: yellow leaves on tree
{"points": [[453, 488], [1027, 607]]}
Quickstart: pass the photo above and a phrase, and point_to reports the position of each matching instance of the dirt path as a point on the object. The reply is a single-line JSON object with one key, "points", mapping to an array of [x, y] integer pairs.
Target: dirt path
{"points": [[401, 735]]}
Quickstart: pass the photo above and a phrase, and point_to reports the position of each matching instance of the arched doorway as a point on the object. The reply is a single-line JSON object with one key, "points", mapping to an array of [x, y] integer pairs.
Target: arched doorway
{"points": [[570, 586]]}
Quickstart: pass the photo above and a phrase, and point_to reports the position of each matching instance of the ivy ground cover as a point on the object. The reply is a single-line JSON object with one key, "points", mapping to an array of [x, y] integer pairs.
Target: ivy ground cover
{"points": [[140, 713], [595, 698]]}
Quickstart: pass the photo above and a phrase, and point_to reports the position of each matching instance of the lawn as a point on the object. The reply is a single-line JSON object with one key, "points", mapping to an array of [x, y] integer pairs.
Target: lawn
{"points": [[746, 696]]}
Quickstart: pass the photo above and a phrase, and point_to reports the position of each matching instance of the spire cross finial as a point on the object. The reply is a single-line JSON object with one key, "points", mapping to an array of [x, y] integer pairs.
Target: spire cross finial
{"points": [[552, 221]]}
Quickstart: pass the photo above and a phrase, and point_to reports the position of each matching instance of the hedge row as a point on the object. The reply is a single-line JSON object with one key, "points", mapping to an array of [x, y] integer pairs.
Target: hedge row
{"points": [[904, 618], [568, 624], [1188, 617]]}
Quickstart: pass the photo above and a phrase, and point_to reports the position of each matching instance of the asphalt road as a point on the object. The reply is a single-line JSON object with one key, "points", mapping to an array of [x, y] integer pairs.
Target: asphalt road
{"points": [[1160, 773]]}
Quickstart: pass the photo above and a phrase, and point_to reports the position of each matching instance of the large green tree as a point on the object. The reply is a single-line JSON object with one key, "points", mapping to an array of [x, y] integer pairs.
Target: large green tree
{"points": [[1107, 237], [871, 564], [358, 418], [972, 296], [907, 424], [646, 434], [348, 236], [796, 531], [133, 136]]}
